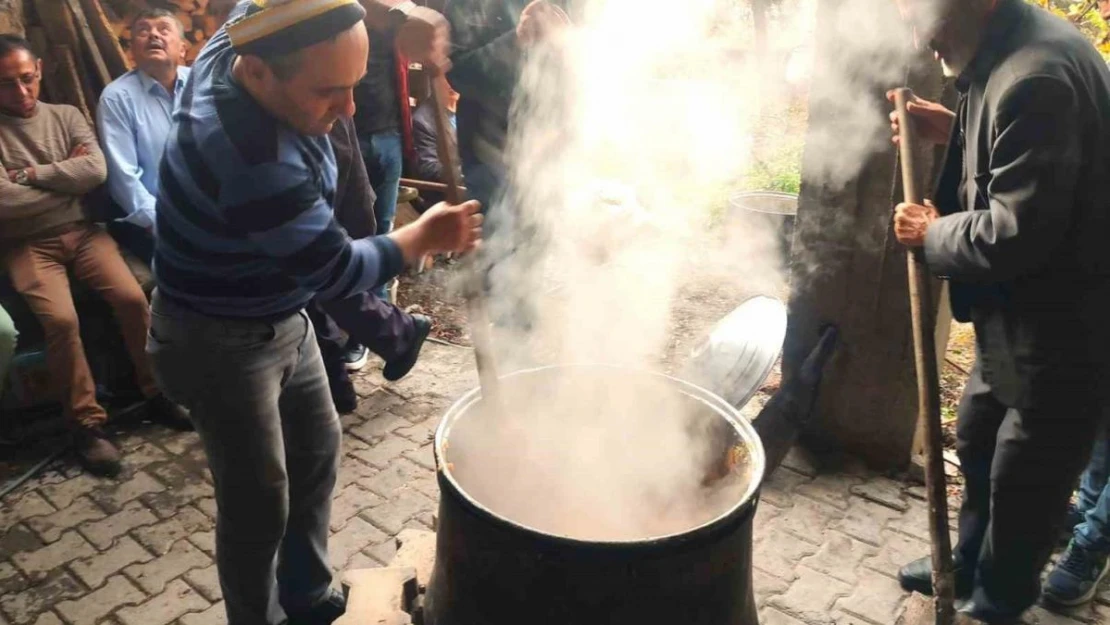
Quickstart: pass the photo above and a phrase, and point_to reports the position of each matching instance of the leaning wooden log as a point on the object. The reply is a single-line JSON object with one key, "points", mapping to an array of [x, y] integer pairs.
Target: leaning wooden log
{"points": [[69, 85], [115, 58], [36, 36], [57, 21], [88, 42], [11, 17]]}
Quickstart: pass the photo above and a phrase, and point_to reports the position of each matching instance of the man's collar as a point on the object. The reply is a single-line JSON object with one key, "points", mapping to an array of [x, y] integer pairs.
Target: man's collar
{"points": [[1006, 15], [148, 81]]}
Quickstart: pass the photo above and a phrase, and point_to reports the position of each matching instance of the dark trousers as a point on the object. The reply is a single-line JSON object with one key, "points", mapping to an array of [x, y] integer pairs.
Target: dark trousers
{"points": [[378, 325], [1020, 468], [257, 392], [133, 239]]}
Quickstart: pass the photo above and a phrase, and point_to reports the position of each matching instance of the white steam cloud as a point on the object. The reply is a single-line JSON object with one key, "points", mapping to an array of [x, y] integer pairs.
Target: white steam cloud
{"points": [[627, 136]]}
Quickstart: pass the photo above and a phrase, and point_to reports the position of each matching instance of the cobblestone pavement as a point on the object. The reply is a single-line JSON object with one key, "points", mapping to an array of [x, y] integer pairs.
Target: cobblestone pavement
{"points": [[138, 550]]}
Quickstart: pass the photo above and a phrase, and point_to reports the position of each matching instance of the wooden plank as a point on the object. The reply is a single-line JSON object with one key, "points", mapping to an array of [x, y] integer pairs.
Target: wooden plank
{"points": [[69, 84], [88, 41], [60, 29], [36, 36], [57, 21], [11, 17], [117, 60]]}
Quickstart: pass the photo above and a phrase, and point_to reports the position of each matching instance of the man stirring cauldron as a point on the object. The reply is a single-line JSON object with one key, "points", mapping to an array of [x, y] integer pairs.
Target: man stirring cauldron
{"points": [[246, 237], [1019, 225]]}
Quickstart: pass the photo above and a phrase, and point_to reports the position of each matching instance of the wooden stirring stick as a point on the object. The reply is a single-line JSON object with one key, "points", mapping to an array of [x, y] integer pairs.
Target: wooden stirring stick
{"points": [[473, 291]]}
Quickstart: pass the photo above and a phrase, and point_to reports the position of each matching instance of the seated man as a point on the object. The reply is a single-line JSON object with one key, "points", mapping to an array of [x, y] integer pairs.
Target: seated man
{"points": [[424, 135], [52, 160], [134, 120]]}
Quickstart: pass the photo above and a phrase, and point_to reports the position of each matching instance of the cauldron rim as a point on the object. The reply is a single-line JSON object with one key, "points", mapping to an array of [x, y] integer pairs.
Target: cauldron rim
{"points": [[747, 433]]}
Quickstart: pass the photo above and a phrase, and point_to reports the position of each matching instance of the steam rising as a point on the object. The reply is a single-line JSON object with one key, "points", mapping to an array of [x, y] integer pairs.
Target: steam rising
{"points": [[627, 135]]}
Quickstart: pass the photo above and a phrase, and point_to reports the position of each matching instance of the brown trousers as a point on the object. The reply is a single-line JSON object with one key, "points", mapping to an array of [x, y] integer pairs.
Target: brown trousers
{"points": [[38, 272]]}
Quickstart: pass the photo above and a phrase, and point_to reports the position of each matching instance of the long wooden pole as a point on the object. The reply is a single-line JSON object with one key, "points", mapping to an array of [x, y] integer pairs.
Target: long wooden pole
{"points": [[475, 300], [928, 381]]}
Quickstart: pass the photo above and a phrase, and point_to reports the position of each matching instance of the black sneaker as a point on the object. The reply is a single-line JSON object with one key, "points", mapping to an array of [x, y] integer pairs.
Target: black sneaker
{"points": [[326, 612], [355, 356], [96, 453], [161, 410], [399, 367], [1075, 579], [343, 395]]}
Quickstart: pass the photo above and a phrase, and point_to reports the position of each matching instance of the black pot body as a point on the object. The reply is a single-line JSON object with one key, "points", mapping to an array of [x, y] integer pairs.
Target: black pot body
{"points": [[491, 571]]}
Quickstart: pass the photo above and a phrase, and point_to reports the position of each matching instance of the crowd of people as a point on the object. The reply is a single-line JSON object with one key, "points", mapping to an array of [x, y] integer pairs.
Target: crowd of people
{"points": [[263, 199], [261, 185]]}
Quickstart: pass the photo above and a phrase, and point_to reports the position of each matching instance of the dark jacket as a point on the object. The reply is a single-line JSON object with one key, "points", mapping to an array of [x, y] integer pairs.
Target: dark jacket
{"points": [[354, 197], [426, 165], [486, 60], [1025, 194]]}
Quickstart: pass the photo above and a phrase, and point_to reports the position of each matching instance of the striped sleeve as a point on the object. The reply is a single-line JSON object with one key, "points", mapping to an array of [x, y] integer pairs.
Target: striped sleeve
{"points": [[278, 207]]}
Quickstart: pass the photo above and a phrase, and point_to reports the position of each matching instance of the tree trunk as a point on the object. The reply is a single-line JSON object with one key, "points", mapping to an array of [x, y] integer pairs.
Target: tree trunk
{"points": [[849, 270], [11, 17], [759, 22]]}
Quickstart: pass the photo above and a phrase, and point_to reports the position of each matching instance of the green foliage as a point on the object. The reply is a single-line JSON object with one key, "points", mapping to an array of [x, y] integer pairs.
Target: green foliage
{"points": [[781, 172], [1084, 14]]}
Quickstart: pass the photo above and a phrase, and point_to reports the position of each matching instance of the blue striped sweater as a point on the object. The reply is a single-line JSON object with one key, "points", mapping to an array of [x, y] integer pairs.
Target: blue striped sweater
{"points": [[245, 226]]}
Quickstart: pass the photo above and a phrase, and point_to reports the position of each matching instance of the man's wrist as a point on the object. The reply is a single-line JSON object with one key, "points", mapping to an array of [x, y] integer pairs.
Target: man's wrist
{"points": [[410, 240]]}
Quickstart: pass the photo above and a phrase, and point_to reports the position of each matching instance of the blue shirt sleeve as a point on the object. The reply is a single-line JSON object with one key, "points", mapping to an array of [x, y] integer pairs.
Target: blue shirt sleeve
{"points": [[279, 208], [115, 124]]}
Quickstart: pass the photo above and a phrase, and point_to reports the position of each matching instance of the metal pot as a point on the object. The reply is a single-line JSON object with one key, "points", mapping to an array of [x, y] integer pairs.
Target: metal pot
{"points": [[492, 570], [766, 211]]}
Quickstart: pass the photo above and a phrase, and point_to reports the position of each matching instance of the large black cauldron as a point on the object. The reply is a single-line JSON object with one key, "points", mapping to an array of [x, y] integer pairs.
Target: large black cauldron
{"points": [[491, 570]]}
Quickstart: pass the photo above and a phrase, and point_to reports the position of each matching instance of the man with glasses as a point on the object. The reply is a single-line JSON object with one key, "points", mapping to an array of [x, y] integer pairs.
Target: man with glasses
{"points": [[52, 160]]}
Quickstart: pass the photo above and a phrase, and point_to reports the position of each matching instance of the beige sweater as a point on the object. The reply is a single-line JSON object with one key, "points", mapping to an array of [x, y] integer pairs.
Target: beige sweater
{"points": [[54, 198]]}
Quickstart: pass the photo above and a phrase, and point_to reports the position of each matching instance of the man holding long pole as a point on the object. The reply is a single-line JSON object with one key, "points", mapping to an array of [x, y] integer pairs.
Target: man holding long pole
{"points": [[246, 237], [1019, 225]]}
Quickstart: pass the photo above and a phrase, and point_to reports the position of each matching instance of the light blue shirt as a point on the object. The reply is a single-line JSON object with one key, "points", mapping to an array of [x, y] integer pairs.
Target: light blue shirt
{"points": [[134, 120]]}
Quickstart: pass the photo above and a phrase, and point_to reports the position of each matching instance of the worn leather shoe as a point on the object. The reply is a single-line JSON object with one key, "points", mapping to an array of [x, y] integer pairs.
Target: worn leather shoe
{"points": [[96, 453], [325, 612], [917, 576], [161, 410], [399, 367], [981, 614]]}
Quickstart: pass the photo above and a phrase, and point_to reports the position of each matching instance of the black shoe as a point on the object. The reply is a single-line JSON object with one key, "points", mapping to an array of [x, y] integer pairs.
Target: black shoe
{"points": [[399, 367], [343, 395], [917, 576], [324, 613], [981, 614], [96, 453], [161, 410], [355, 356]]}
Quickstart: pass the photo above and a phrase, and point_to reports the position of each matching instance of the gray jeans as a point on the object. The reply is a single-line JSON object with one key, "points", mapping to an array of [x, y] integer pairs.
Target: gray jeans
{"points": [[259, 398]]}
